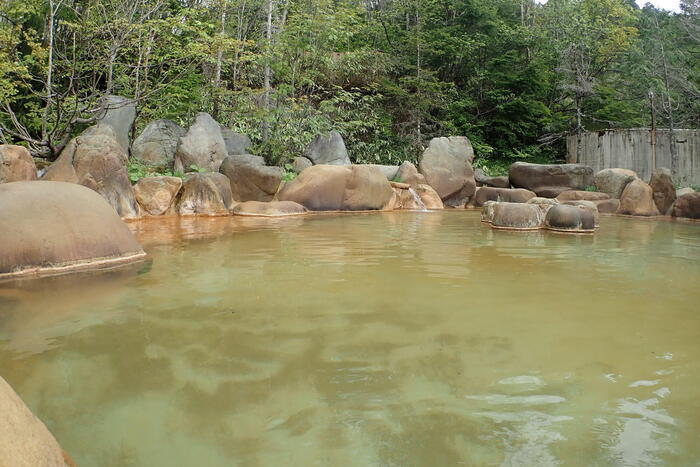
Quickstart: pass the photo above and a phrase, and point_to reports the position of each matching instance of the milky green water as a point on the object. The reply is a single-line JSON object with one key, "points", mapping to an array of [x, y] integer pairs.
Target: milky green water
{"points": [[386, 339]]}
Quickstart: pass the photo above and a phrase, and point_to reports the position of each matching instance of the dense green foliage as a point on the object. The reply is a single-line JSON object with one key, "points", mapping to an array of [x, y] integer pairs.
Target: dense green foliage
{"points": [[513, 75]]}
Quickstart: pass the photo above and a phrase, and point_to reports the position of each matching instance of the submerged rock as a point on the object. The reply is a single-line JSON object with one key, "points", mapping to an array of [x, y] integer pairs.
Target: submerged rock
{"points": [[328, 149], [269, 209], [202, 146], [638, 200], [446, 165], [661, 184], [250, 178], [613, 181], [24, 439], [156, 194], [16, 164], [59, 226], [339, 188], [549, 180]]}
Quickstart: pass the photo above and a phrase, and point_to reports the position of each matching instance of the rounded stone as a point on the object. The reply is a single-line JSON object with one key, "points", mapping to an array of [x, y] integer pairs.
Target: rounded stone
{"points": [[567, 218], [269, 209], [55, 226], [516, 216]]}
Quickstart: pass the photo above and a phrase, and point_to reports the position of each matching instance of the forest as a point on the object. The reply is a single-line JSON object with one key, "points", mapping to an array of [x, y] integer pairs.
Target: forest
{"points": [[515, 76]]}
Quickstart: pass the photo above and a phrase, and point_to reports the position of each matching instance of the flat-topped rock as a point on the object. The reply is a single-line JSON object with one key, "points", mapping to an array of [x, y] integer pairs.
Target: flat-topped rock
{"points": [[549, 180], [509, 195], [269, 209], [57, 226], [581, 195]]}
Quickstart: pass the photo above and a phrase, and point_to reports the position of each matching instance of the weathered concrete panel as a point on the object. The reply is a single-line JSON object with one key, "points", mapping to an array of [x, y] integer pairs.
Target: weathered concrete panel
{"points": [[632, 149]]}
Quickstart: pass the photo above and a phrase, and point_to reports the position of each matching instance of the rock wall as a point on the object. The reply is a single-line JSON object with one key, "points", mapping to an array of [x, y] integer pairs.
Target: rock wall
{"points": [[632, 149]]}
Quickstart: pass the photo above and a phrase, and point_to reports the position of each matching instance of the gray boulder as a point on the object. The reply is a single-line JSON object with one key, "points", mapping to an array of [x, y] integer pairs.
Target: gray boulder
{"points": [[613, 181], [250, 178], [549, 180], [301, 163], [389, 171], [664, 192], [236, 143], [202, 146], [485, 180], [446, 165], [120, 116], [158, 142], [328, 149]]}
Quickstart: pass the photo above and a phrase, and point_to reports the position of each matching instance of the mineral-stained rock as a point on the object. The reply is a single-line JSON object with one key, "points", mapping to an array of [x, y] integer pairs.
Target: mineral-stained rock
{"points": [[581, 195], [158, 142], [156, 194], [205, 194], [516, 216], [202, 146], [687, 205], [250, 178], [661, 184], [429, 197], [549, 180], [446, 165], [613, 181], [16, 164], [543, 203], [328, 149], [339, 188], [510, 195], [487, 211], [567, 218], [269, 209], [25, 440], [408, 173], [96, 160], [57, 226], [638, 200]]}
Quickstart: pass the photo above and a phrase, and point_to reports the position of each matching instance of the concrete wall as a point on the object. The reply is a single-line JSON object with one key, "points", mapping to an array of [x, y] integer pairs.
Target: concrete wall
{"points": [[632, 149]]}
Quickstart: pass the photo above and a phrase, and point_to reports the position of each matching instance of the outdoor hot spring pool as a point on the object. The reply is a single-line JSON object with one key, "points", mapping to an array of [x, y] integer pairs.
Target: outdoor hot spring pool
{"points": [[383, 339]]}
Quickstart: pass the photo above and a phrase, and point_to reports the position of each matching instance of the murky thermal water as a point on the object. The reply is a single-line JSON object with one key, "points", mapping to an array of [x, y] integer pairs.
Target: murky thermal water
{"points": [[386, 339]]}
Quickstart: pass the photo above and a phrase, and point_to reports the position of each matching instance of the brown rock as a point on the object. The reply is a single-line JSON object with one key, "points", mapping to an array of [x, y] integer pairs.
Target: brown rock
{"points": [[16, 164], [250, 178], [661, 184], [613, 181], [156, 194], [581, 195], [409, 174], [516, 216], [57, 226], [301, 163], [638, 200], [339, 188], [587, 205], [400, 186], [567, 218], [269, 209], [429, 197], [25, 440], [544, 204], [205, 194], [687, 205], [96, 160], [549, 180], [608, 206], [484, 180], [509, 195], [446, 165]]}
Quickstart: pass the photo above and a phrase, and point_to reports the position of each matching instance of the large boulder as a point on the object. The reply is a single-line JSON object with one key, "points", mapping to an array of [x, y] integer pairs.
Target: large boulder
{"points": [[236, 143], [339, 188], [485, 180], [687, 205], [55, 226], [613, 181], [328, 149], [661, 185], [446, 165], [510, 195], [516, 216], [408, 173], [16, 164], [205, 194], [250, 178], [120, 116], [24, 439], [156, 194], [638, 200], [158, 142], [301, 163], [202, 146], [549, 180], [389, 171], [269, 209], [581, 195], [566, 218], [587, 205], [96, 160]]}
